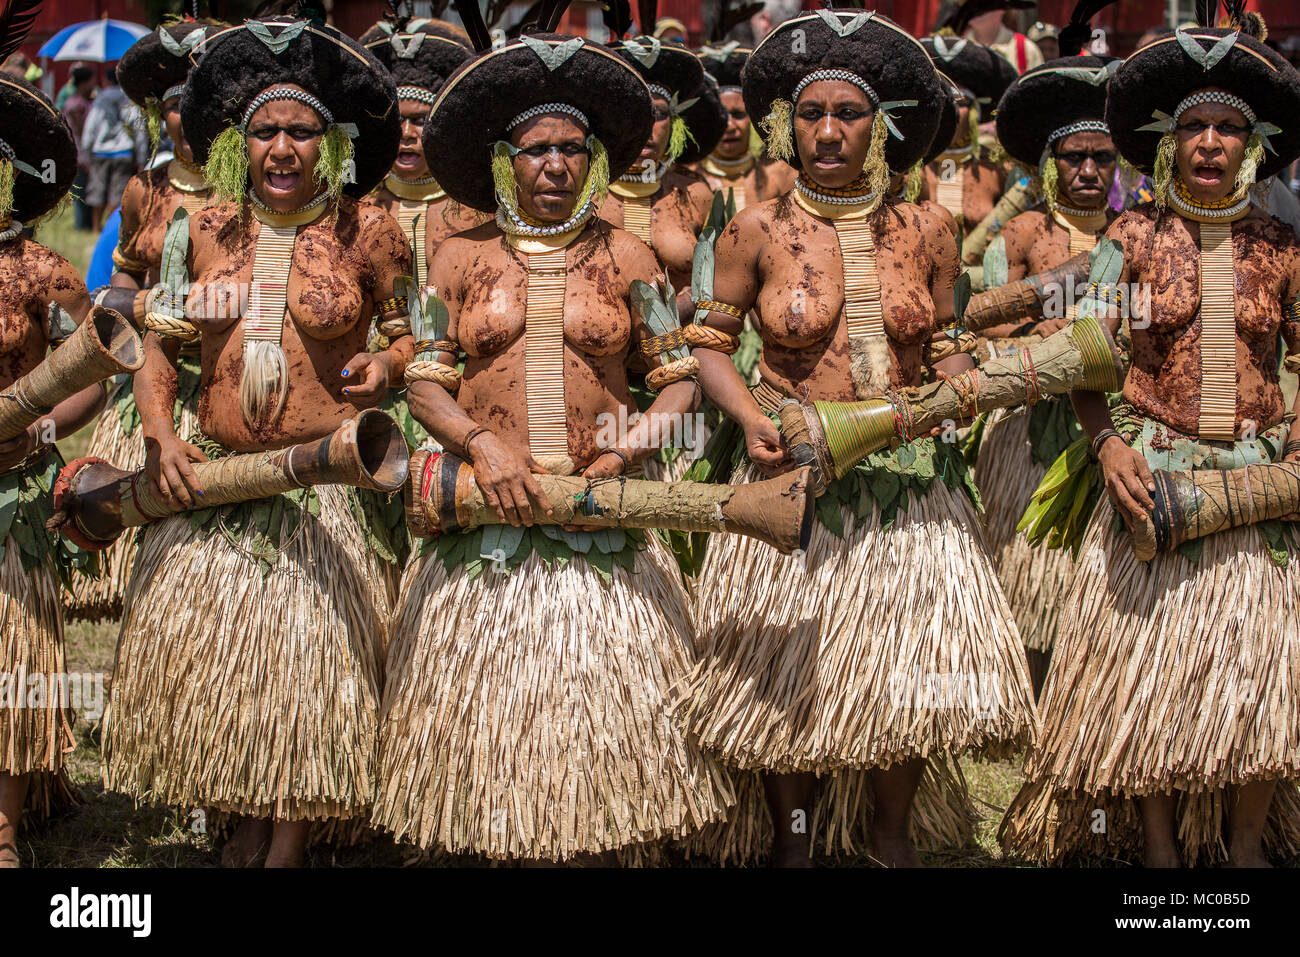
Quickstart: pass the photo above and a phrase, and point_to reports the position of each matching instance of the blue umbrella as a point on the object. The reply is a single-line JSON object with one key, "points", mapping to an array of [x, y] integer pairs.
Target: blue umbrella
{"points": [[96, 41]]}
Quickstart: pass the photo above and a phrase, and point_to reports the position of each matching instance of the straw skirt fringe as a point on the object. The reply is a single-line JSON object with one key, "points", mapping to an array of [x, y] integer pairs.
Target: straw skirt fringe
{"points": [[250, 694], [1034, 580], [943, 817], [100, 599], [528, 715], [33, 740], [870, 650], [1169, 676]]}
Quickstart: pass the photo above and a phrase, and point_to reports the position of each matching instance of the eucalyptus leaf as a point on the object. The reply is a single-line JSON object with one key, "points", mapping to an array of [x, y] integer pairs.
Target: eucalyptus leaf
{"points": [[276, 43]]}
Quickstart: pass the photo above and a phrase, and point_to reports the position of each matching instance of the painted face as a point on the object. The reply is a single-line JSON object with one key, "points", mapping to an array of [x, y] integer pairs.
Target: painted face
{"points": [[832, 131], [171, 115], [735, 142], [283, 148], [1211, 145], [410, 162], [551, 165], [656, 148], [1085, 169]]}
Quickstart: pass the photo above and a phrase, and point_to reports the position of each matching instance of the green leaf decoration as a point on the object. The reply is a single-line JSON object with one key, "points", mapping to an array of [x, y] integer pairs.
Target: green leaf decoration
{"points": [[553, 57], [961, 297], [174, 271], [276, 43], [407, 47], [995, 265], [647, 54], [61, 324], [844, 29]]}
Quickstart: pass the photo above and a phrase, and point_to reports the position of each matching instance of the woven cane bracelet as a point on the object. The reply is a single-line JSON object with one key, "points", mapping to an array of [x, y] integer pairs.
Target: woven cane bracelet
{"points": [[705, 337], [391, 304], [436, 345], [1100, 439], [126, 264], [1292, 446], [1291, 311], [393, 328], [674, 371], [171, 327], [424, 370], [712, 305]]}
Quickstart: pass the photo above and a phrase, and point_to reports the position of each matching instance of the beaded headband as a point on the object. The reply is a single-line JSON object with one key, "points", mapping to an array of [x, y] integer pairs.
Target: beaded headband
{"points": [[1215, 96], [657, 90], [1083, 126], [417, 93], [171, 91], [541, 108], [842, 75], [285, 93]]}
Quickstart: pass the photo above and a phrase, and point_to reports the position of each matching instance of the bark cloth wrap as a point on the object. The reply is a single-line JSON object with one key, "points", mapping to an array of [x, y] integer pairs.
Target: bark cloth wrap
{"points": [[249, 660], [1178, 674], [35, 719], [889, 640]]}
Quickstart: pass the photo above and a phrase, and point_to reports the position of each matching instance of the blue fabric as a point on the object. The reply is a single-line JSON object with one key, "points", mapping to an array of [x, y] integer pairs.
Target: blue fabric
{"points": [[101, 260]]}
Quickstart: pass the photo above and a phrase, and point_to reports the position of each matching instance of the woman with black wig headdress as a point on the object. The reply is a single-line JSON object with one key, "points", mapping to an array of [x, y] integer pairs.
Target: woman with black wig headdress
{"points": [[152, 73], [844, 663], [247, 674], [1171, 713], [41, 299], [527, 712]]}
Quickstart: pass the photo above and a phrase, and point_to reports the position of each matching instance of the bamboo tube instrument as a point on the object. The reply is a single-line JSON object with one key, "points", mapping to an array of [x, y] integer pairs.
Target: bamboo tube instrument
{"points": [[833, 437], [1191, 505], [443, 497], [104, 345], [95, 502]]}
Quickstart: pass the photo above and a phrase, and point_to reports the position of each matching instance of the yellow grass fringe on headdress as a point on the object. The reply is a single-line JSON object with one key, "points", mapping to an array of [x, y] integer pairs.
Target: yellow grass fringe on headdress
{"points": [[778, 130]]}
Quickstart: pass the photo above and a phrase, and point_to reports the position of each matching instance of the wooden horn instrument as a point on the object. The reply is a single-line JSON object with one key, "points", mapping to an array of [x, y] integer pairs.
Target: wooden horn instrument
{"points": [[1191, 505], [104, 345], [443, 498], [95, 502], [833, 437]]}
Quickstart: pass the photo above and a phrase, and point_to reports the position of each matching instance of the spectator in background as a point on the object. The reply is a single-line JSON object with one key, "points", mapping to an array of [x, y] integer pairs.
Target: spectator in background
{"points": [[109, 142], [990, 30], [1155, 33], [75, 107], [24, 69], [671, 30], [1046, 37]]}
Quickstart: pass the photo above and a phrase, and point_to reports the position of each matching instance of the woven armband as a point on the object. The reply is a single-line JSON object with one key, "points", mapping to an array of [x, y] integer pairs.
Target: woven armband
{"points": [[126, 264], [705, 337], [675, 371], [712, 305], [939, 349], [426, 370], [1291, 312], [392, 320], [175, 328]]}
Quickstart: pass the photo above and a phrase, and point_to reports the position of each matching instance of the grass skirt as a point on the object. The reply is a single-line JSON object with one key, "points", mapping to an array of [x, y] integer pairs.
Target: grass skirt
{"points": [[1169, 676], [870, 650], [100, 598], [943, 817], [250, 694], [33, 740], [528, 715], [1034, 580]]}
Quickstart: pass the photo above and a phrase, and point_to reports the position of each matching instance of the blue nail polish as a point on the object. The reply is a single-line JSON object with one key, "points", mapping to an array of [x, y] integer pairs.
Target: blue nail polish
{"points": [[346, 372]]}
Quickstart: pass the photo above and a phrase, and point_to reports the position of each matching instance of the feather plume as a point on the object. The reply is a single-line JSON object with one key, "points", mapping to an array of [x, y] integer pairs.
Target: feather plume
{"points": [[1076, 34], [959, 20], [15, 23], [730, 16], [1206, 12], [472, 17], [551, 15], [647, 15], [617, 15]]}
